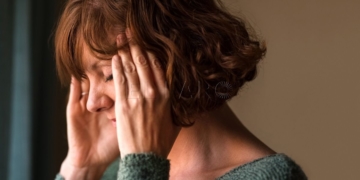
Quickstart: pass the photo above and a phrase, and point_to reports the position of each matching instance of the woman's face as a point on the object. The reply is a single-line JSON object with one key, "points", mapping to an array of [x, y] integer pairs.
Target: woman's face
{"points": [[99, 84]]}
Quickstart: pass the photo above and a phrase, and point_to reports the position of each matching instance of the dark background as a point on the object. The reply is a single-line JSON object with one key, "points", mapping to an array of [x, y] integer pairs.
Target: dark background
{"points": [[32, 102]]}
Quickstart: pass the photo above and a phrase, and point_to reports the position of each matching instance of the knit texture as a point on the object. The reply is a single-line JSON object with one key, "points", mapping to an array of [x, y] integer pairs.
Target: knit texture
{"points": [[59, 177], [147, 166], [273, 167]]}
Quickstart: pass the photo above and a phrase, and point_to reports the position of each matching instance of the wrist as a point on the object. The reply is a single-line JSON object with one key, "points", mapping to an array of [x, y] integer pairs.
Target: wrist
{"points": [[72, 172]]}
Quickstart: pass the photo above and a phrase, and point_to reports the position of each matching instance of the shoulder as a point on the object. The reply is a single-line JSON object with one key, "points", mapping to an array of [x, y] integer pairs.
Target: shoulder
{"points": [[111, 170], [276, 166]]}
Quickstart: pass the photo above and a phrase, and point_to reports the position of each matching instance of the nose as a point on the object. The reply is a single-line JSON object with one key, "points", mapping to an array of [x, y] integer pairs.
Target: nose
{"points": [[98, 100]]}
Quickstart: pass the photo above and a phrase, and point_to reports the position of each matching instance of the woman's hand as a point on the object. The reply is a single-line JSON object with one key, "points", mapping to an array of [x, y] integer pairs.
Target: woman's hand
{"points": [[142, 105], [91, 137]]}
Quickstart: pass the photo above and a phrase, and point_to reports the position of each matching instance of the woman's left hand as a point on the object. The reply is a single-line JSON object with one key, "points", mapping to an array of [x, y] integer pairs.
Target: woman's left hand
{"points": [[142, 104]]}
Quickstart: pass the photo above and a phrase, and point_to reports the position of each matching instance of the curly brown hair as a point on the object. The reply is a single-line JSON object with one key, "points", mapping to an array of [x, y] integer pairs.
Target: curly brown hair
{"points": [[207, 53]]}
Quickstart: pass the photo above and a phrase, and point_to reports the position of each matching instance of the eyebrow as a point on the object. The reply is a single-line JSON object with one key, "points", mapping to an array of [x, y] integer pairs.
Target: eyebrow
{"points": [[97, 64]]}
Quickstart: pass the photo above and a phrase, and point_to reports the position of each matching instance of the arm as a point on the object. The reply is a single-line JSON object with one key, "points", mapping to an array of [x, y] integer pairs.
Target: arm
{"points": [[68, 172], [90, 152], [145, 129], [143, 166]]}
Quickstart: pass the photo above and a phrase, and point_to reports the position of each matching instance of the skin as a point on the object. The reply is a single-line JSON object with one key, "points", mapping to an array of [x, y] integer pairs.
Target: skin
{"points": [[215, 144]]}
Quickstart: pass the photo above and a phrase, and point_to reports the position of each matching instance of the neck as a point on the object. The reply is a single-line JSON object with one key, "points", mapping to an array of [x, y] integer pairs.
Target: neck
{"points": [[216, 142]]}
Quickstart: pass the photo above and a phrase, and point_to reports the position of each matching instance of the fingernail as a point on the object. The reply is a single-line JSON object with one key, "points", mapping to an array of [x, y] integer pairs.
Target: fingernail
{"points": [[116, 58], [120, 40]]}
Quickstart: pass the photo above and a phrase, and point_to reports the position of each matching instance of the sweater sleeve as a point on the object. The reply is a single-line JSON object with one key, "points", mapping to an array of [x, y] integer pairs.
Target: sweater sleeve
{"points": [[278, 166], [143, 166], [59, 177]]}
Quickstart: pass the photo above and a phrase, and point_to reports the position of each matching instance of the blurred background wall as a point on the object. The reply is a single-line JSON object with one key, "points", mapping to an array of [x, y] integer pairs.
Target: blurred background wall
{"points": [[32, 121], [304, 102]]}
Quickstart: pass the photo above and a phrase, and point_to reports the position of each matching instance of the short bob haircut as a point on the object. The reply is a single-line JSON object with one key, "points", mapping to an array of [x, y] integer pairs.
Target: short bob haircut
{"points": [[206, 53]]}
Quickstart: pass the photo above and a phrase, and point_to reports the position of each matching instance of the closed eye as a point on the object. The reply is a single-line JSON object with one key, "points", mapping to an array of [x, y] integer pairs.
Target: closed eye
{"points": [[109, 78]]}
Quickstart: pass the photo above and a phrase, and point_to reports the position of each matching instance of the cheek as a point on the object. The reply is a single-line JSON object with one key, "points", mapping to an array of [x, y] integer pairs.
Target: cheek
{"points": [[85, 85]]}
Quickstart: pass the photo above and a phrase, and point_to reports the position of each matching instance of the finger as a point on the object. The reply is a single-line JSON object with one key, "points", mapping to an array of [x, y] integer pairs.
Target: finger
{"points": [[159, 74], [130, 72], [143, 69], [121, 40], [85, 86], [119, 78], [75, 90]]}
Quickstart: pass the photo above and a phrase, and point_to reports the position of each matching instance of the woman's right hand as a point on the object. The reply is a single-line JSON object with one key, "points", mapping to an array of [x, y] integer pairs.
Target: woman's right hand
{"points": [[92, 138]]}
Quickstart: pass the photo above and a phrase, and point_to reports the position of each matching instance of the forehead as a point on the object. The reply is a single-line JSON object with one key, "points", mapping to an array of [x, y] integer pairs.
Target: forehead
{"points": [[91, 60]]}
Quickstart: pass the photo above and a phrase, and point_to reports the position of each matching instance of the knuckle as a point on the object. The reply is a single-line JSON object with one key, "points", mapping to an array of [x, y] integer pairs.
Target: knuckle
{"points": [[122, 80], [156, 63], [141, 60], [129, 67], [150, 93]]}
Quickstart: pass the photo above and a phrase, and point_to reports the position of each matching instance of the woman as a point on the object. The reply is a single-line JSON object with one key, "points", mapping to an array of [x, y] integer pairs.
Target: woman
{"points": [[161, 72]]}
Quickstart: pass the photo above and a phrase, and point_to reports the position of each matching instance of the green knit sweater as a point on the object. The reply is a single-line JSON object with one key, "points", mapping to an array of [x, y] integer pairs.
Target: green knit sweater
{"points": [[152, 167]]}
